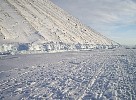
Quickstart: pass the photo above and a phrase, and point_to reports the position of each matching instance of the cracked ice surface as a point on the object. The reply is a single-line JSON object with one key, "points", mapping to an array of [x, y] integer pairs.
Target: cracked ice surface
{"points": [[84, 75]]}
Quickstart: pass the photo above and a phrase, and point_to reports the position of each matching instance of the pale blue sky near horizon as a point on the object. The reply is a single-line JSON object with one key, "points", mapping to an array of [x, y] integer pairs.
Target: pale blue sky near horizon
{"points": [[115, 19]]}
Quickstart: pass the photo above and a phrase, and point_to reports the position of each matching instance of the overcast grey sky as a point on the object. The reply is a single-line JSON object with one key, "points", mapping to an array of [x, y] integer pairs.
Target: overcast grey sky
{"points": [[115, 19]]}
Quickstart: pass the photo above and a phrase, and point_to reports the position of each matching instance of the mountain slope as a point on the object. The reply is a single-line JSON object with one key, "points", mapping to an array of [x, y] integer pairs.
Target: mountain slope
{"points": [[41, 22]]}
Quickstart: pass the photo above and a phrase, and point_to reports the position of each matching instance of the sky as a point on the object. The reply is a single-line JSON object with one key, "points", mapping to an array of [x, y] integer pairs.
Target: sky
{"points": [[115, 19]]}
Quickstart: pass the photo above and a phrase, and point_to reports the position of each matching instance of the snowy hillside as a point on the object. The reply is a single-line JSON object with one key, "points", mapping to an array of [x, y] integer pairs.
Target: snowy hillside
{"points": [[32, 25]]}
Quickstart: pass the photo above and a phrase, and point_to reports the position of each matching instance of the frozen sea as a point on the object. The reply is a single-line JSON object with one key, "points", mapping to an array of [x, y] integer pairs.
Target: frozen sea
{"points": [[77, 75]]}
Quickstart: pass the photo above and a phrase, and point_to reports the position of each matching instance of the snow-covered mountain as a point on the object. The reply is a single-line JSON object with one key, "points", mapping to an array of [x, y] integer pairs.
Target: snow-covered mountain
{"points": [[39, 25]]}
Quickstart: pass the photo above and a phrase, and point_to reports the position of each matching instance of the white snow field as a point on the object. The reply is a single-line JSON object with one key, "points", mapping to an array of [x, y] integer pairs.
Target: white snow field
{"points": [[81, 75], [103, 71], [39, 25]]}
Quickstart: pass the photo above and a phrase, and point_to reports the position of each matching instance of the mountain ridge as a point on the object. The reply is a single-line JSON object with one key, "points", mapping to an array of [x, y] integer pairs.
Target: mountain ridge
{"points": [[42, 22]]}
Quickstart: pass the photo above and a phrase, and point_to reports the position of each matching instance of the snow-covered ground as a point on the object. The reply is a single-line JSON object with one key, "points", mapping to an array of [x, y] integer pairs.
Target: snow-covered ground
{"points": [[81, 75]]}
